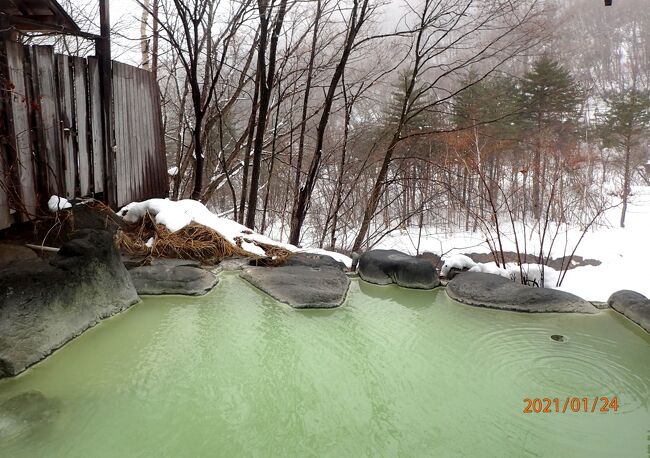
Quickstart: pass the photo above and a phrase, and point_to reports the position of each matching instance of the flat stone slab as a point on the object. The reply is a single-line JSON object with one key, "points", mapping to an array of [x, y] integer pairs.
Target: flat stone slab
{"points": [[633, 305], [172, 279], [383, 267], [299, 286], [494, 291]]}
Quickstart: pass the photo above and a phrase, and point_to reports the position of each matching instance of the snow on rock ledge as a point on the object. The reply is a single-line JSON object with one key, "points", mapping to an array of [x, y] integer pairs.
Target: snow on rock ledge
{"points": [[175, 215], [57, 203]]}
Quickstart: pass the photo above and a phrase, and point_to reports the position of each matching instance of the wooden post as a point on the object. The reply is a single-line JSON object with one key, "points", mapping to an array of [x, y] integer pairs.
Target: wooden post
{"points": [[103, 51]]}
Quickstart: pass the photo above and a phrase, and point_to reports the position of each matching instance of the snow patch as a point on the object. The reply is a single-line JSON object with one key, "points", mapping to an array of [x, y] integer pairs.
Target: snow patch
{"points": [[491, 268], [456, 261], [57, 203]]}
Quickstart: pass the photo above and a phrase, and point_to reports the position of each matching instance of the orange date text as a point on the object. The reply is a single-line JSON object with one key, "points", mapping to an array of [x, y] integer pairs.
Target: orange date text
{"points": [[572, 404]]}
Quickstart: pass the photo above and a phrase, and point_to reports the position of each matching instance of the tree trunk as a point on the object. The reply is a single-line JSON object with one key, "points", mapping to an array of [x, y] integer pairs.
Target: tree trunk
{"points": [[536, 175], [266, 79], [626, 184], [305, 103], [357, 18], [375, 194], [144, 40], [247, 154]]}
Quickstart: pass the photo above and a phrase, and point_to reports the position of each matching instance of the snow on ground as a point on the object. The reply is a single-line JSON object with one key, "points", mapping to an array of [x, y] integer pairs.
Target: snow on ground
{"points": [[491, 268], [175, 215], [624, 252]]}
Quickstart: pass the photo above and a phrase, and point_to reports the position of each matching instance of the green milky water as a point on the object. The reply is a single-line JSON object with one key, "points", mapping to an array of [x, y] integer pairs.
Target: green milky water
{"points": [[393, 372]]}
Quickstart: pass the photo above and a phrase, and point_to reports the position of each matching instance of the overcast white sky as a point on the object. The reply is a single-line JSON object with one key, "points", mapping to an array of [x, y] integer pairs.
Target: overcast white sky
{"points": [[125, 14]]}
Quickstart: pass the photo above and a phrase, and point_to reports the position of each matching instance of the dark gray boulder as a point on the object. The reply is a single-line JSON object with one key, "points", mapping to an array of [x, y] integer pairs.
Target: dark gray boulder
{"points": [[494, 291], [44, 305], [313, 260], [299, 286], [10, 253], [383, 267], [90, 216], [298, 259], [633, 305], [172, 279]]}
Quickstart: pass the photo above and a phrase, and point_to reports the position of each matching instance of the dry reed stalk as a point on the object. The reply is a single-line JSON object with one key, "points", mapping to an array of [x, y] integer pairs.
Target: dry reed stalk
{"points": [[195, 241]]}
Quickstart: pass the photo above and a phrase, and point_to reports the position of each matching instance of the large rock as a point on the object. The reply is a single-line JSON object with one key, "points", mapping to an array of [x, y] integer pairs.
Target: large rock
{"points": [[301, 287], [44, 305], [170, 278], [383, 267], [313, 260], [494, 291], [633, 305], [95, 217], [10, 253]]}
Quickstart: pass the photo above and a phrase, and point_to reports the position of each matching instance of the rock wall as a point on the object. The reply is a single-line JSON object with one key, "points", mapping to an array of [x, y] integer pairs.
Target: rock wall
{"points": [[43, 305]]}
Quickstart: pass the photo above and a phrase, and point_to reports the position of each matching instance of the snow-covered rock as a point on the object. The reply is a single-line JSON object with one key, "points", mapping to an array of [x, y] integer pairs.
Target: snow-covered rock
{"points": [[457, 261], [57, 203]]}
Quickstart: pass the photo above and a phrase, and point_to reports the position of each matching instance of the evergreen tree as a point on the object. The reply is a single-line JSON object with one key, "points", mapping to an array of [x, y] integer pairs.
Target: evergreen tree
{"points": [[623, 127], [417, 117], [551, 99]]}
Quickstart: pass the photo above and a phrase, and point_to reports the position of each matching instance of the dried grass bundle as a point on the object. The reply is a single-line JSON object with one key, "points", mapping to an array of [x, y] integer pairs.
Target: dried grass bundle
{"points": [[195, 241], [275, 255]]}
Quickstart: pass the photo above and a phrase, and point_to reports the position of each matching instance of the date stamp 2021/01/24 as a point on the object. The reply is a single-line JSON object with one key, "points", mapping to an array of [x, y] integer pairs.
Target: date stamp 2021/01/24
{"points": [[572, 404]]}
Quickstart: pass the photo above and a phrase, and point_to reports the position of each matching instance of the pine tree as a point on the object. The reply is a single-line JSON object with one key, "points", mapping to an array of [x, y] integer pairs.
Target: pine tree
{"points": [[623, 127], [551, 98]]}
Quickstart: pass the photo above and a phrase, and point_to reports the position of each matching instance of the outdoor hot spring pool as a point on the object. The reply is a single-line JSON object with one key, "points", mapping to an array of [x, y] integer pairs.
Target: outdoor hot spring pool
{"points": [[393, 372]]}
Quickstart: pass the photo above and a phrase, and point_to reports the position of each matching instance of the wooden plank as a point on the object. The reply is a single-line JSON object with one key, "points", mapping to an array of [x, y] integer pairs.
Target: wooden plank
{"points": [[95, 115], [5, 215], [127, 166], [142, 134], [46, 126], [121, 137], [132, 102], [84, 160], [154, 166], [159, 158], [21, 131], [148, 134], [5, 180], [117, 118], [66, 116]]}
